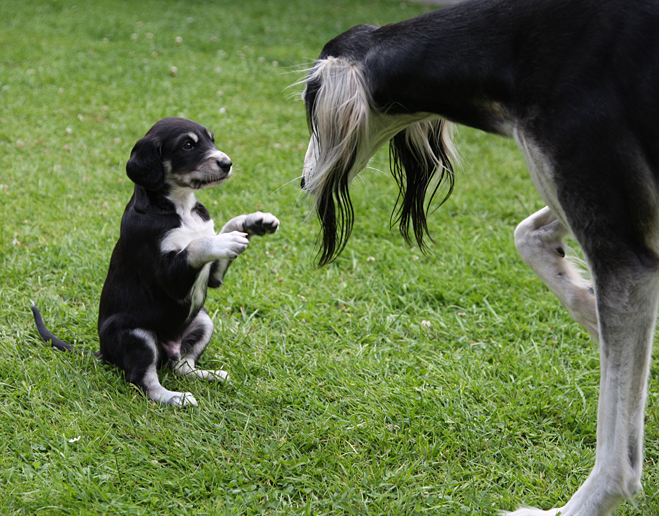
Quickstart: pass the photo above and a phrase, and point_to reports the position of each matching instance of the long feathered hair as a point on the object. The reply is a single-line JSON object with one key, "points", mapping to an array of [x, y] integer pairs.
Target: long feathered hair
{"points": [[346, 130]]}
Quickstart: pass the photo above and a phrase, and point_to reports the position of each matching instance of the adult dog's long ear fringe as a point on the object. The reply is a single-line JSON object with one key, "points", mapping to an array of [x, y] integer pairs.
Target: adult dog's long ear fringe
{"points": [[420, 154], [336, 217], [338, 114]]}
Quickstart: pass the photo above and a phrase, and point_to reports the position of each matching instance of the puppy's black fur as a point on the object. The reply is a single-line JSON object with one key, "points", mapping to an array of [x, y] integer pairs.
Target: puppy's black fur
{"points": [[151, 310]]}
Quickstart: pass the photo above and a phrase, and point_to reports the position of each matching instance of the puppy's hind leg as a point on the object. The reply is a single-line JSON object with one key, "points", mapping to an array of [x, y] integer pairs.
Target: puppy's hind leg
{"points": [[539, 241], [138, 357], [193, 344]]}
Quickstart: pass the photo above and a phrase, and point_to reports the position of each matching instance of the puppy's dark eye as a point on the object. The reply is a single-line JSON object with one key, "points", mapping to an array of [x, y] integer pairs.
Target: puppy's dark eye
{"points": [[188, 146]]}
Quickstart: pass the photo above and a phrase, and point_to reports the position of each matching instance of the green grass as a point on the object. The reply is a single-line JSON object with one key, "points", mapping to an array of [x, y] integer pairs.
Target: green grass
{"points": [[342, 401]]}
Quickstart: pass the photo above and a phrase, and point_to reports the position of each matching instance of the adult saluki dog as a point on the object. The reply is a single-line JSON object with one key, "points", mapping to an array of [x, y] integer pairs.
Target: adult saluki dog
{"points": [[576, 84]]}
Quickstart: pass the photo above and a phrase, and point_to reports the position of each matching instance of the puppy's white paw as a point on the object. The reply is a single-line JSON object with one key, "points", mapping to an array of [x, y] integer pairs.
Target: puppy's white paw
{"points": [[258, 223], [218, 375], [230, 245], [213, 376], [181, 399]]}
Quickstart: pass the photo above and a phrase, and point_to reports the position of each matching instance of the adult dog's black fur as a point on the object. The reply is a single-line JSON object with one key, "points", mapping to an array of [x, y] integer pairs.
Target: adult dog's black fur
{"points": [[151, 310], [576, 83]]}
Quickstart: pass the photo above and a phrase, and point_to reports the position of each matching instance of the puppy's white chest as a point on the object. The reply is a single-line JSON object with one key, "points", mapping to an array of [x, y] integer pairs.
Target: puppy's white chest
{"points": [[191, 228], [178, 239]]}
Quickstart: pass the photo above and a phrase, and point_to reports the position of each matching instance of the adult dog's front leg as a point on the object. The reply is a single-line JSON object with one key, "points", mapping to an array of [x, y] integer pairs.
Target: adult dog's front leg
{"points": [[627, 301], [539, 240], [626, 304]]}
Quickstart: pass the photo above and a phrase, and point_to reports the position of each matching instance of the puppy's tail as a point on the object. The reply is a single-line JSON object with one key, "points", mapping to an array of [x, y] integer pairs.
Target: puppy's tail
{"points": [[49, 337]]}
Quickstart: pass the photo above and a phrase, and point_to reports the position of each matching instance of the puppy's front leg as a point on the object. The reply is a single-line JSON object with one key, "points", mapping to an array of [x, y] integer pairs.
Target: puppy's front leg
{"points": [[225, 246], [256, 223]]}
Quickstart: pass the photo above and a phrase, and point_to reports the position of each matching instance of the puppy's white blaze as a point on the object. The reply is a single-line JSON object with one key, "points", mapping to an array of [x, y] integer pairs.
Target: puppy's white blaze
{"points": [[209, 168]]}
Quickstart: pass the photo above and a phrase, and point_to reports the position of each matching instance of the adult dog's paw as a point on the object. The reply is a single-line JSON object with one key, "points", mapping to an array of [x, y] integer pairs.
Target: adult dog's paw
{"points": [[258, 223]]}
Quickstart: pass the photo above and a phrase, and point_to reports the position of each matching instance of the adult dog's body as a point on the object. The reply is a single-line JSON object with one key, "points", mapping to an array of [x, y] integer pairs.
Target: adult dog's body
{"points": [[576, 83], [151, 310]]}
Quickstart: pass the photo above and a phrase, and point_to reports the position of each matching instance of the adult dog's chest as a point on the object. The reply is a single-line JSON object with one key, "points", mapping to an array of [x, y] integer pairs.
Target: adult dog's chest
{"points": [[192, 226]]}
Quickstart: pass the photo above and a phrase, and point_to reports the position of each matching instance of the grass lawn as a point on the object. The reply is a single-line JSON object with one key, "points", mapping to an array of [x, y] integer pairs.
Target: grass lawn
{"points": [[386, 383]]}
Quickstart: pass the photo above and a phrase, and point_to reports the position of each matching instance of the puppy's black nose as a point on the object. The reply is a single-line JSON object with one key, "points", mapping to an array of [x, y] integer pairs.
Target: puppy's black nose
{"points": [[224, 164]]}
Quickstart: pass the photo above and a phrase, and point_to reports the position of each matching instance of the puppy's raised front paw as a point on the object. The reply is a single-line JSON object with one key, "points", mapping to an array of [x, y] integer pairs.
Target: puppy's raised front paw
{"points": [[258, 223], [230, 245]]}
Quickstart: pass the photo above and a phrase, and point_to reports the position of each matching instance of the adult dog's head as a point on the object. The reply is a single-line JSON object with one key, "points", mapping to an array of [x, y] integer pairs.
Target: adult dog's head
{"points": [[350, 119], [177, 153]]}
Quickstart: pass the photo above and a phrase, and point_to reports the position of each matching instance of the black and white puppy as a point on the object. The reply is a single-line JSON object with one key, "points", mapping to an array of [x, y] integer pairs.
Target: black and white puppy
{"points": [[152, 305]]}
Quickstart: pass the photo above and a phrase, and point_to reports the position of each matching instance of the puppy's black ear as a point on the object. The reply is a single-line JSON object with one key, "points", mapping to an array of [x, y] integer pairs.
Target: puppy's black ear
{"points": [[145, 164]]}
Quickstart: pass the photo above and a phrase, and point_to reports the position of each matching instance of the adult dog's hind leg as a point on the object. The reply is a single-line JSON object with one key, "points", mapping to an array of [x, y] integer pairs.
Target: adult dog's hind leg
{"points": [[193, 344], [627, 299], [539, 241]]}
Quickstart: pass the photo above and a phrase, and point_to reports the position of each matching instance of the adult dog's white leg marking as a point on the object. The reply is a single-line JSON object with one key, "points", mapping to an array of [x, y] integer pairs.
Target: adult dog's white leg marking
{"points": [[154, 390], [539, 240], [627, 307], [201, 329], [626, 290]]}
